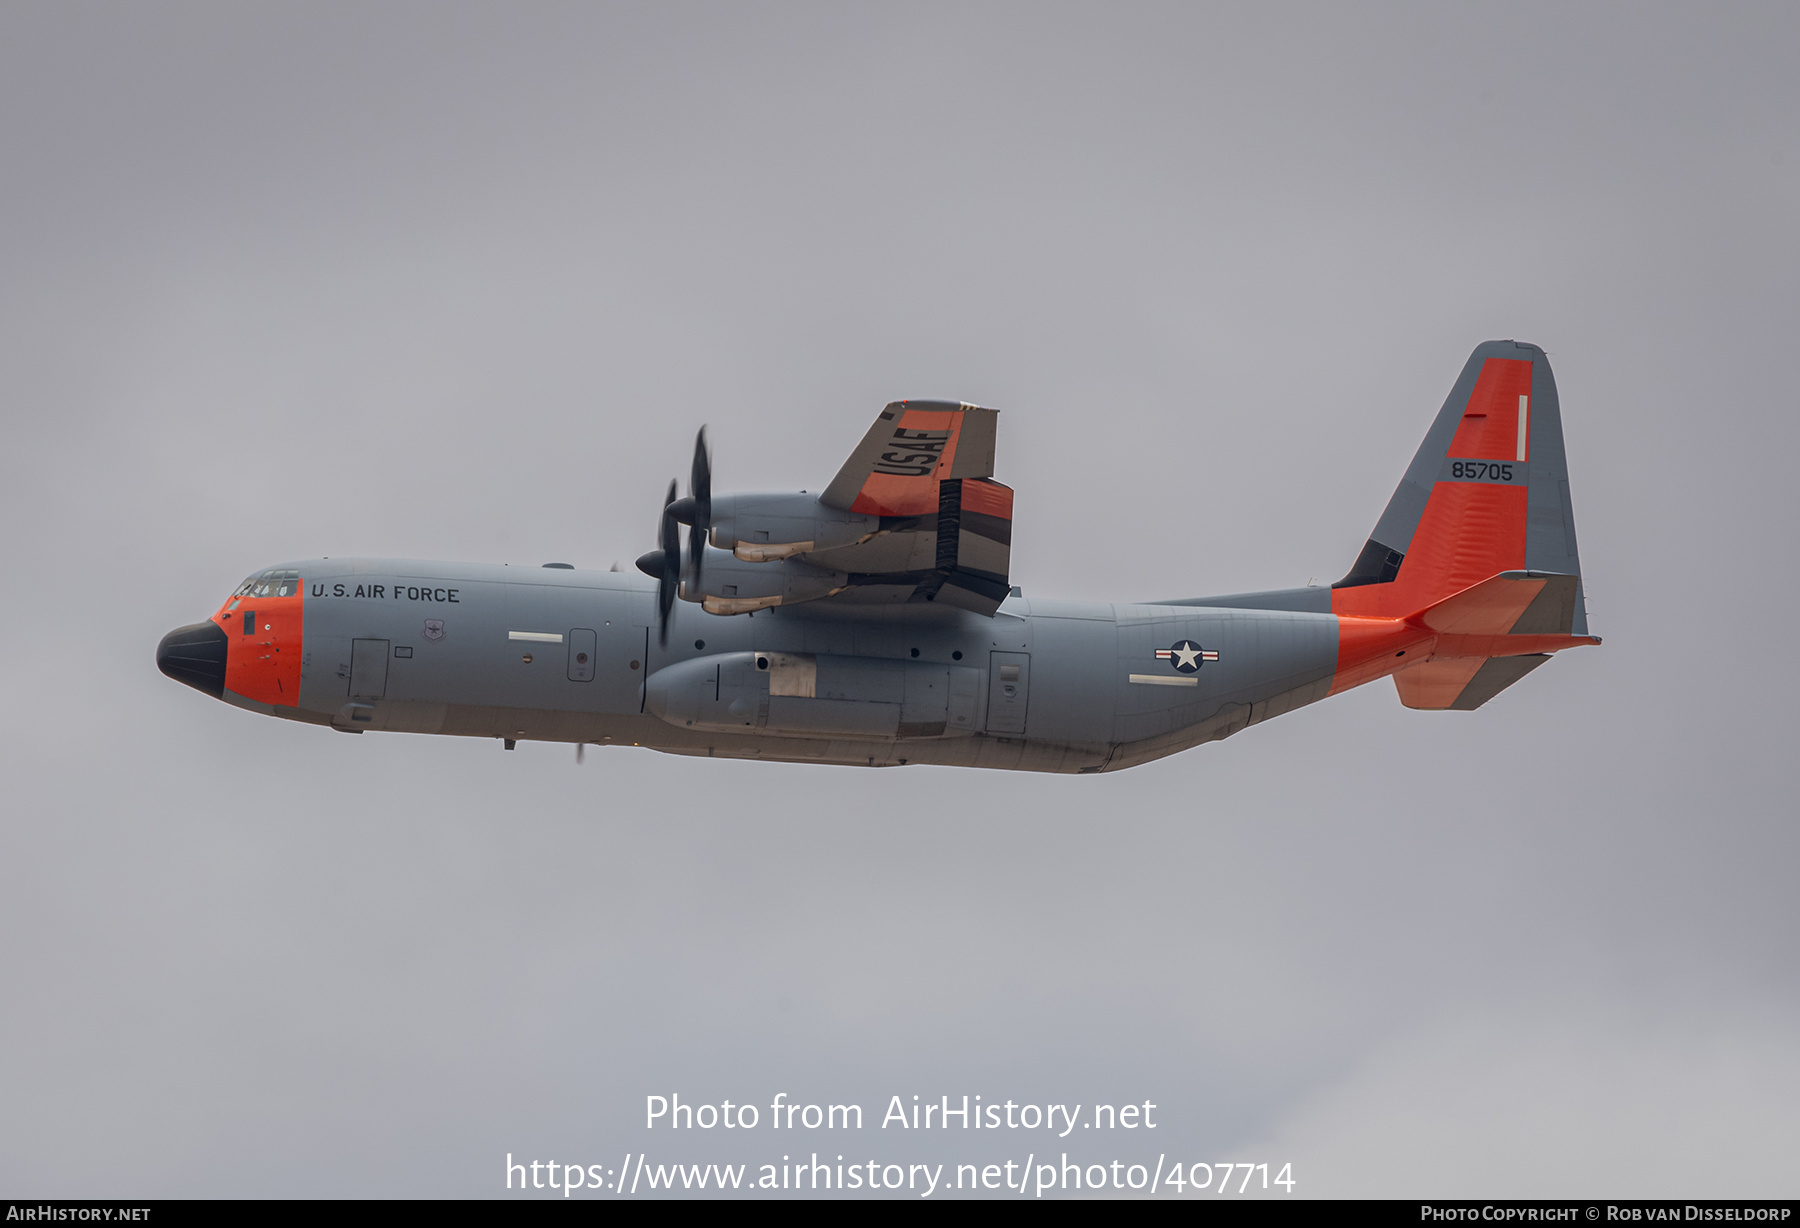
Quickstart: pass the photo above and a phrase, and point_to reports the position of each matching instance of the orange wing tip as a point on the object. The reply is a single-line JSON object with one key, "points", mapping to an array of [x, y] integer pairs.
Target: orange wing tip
{"points": [[988, 497]]}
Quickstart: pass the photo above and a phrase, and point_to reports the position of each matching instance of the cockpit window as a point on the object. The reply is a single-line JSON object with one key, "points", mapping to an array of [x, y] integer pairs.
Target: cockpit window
{"points": [[273, 583]]}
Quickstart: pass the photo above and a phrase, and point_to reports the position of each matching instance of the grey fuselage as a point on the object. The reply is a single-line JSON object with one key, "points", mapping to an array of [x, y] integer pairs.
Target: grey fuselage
{"points": [[491, 651]]}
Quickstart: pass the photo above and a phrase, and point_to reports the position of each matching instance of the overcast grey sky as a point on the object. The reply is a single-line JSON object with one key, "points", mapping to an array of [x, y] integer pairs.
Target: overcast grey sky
{"points": [[454, 281]]}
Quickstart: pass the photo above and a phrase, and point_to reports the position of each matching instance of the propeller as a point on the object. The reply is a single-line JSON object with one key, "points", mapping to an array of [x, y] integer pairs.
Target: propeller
{"points": [[665, 566], [671, 568], [700, 495], [696, 512], [696, 509]]}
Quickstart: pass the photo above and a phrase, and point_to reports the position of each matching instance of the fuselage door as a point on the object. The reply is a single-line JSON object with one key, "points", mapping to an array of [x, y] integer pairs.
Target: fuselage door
{"points": [[368, 669], [1009, 684]]}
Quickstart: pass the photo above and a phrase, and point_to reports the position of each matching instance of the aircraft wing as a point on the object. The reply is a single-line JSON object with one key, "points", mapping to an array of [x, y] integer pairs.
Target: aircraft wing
{"points": [[913, 447], [925, 468]]}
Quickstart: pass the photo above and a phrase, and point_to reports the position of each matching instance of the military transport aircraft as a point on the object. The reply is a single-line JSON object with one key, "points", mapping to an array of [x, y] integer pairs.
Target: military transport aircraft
{"points": [[874, 623]]}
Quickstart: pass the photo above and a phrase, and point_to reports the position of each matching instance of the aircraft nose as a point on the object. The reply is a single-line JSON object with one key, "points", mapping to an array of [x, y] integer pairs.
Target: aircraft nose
{"points": [[195, 655]]}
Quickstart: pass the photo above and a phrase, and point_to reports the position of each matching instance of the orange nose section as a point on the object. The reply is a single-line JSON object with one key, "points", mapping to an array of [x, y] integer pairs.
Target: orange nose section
{"points": [[263, 646]]}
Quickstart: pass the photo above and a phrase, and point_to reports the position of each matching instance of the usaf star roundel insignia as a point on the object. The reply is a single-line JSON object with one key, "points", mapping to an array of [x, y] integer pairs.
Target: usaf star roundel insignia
{"points": [[1186, 656]]}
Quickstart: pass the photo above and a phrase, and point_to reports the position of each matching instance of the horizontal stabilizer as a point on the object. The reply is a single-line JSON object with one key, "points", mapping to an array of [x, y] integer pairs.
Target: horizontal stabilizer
{"points": [[1462, 684], [1511, 603], [1489, 636]]}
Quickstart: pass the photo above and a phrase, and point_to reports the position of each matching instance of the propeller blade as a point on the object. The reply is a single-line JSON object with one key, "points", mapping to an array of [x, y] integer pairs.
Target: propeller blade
{"points": [[671, 569], [696, 552], [700, 494], [700, 482]]}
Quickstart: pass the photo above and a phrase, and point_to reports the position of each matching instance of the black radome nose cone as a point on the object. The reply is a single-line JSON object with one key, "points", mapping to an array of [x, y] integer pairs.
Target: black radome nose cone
{"points": [[195, 655]]}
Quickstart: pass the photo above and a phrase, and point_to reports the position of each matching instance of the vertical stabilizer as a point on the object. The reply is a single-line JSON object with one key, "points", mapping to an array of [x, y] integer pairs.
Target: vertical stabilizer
{"points": [[1487, 492]]}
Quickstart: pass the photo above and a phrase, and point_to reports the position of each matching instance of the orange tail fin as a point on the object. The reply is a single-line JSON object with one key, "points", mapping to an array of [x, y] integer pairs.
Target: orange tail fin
{"points": [[1487, 492]]}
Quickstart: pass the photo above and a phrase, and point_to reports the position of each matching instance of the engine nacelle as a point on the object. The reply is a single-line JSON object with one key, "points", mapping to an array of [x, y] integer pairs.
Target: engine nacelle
{"points": [[728, 585], [760, 528], [868, 697]]}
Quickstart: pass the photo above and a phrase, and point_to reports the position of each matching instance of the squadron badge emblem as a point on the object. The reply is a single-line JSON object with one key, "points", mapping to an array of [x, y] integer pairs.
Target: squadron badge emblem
{"points": [[1186, 656], [434, 629]]}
